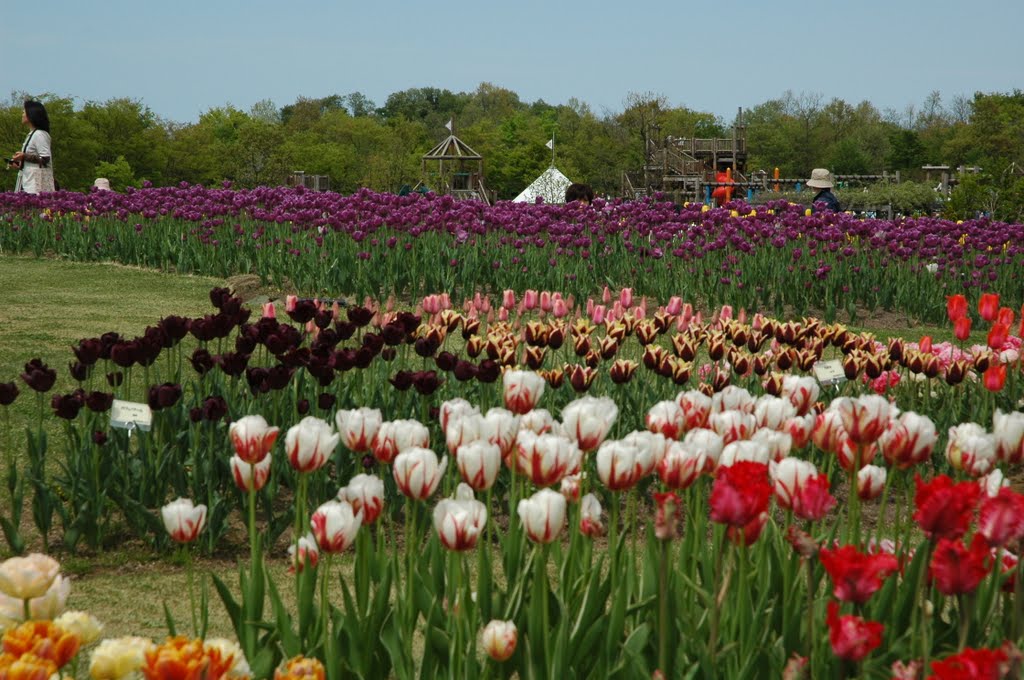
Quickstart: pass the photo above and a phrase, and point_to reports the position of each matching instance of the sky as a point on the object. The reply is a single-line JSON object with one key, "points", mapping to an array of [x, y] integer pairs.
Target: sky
{"points": [[185, 57]]}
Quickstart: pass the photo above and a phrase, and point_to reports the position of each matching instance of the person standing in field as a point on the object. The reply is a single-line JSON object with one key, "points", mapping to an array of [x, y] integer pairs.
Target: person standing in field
{"points": [[821, 179], [35, 160]]}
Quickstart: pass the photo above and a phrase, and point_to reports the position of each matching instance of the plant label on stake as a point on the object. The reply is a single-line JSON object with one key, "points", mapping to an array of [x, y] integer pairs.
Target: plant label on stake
{"points": [[829, 372], [130, 415]]}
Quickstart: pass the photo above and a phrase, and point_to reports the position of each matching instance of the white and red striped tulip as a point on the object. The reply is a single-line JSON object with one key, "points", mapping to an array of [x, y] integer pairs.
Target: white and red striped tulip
{"points": [[459, 522], [183, 520], [358, 427], [417, 472], [335, 525]]}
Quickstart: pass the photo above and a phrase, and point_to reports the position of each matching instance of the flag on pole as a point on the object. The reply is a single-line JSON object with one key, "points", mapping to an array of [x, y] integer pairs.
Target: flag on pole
{"points": [[451, 121], [551, 144]]}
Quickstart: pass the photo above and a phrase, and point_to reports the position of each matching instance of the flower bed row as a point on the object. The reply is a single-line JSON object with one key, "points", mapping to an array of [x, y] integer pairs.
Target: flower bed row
{"points": [[367, 243]]}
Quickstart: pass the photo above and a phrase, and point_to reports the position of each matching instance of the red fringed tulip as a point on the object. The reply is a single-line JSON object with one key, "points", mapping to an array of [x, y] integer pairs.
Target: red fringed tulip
{"points": [[740, 493], [956, 569], [945, 508], [856, 576]]}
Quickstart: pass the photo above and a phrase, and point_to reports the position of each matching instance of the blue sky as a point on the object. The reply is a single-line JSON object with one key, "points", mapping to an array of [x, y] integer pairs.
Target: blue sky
{"points": [[181, 58]]}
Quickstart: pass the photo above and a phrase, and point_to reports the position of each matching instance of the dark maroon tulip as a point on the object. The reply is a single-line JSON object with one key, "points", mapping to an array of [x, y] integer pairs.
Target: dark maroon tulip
{"points": [[401, 380], [426, 382], [464, 370], [107, 341], [234, 311], [345, 329], [327, 339], [98, 402], [157, 334], [344, 360], [488, 371], [195, 414], [39, 376], [245, 344], [373, 342], [66, 406], [323, 318], [262, 329], [99, 437], [78, 371], [148, 348], [425, 347], [360, 316], [278, 344], [279, 376], [124, 354], [214, 408], [8, 393], [232, 363], [163, 396], [295, 358], [218, 296], [446, 361], [88, 351], [393, 334], [369, 462], [326, 401], [257, 379], [201, 361], [388, 354], [302, 406], [303, 312], [202, 329], [409, 321], [363, 357], [115, 379], [222, 325], [175, 328]]}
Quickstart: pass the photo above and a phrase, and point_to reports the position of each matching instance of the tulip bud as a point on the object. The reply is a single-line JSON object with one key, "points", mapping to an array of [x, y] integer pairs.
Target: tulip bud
{"points": [[499, 639], [870, 482]]}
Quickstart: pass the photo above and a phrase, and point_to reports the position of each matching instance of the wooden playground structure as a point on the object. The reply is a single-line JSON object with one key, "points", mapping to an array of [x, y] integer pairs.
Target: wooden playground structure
{"points": [[703, 170], [459, 170]]}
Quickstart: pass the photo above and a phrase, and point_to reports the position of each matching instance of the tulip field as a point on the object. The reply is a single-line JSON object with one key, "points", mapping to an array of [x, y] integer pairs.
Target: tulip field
{"points": [[627, 441]]}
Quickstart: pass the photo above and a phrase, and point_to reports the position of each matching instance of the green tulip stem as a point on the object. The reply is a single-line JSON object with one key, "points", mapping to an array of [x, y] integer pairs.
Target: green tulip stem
{"points": [[190, 570]]}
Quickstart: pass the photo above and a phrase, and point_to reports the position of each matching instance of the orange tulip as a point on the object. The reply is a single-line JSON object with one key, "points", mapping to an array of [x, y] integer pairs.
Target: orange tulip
{"points": [[27, 667], [43, 639], [988, 306], [183, 659], [301, 667]]}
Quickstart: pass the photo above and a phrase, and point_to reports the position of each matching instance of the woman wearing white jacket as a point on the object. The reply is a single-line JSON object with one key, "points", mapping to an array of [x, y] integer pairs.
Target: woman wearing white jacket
{"points": [[35, 160]]}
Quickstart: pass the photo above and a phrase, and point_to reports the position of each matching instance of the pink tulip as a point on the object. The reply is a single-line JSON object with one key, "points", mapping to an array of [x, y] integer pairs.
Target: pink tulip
{"points": [[530, 299], [597, 315], [626, 298], [508, 299], [559, 308], [290, 301], [545, 300], [674, 306], [269, 310]]}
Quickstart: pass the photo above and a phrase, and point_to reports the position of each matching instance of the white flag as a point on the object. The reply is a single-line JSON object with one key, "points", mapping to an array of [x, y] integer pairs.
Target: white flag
{"points": [[449, 124], [551, 144]]}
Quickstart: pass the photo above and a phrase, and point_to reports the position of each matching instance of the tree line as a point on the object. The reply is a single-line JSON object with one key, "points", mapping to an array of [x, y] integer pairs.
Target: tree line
{"points": [[360, 144]]}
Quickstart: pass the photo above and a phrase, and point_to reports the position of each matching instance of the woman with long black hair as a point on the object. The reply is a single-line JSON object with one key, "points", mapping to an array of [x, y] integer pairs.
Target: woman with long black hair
{"points": [[35, 160]]}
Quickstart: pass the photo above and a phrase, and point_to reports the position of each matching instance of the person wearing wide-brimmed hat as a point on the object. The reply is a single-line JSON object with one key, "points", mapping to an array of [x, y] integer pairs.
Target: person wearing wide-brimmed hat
{"points": [[821, 179]]}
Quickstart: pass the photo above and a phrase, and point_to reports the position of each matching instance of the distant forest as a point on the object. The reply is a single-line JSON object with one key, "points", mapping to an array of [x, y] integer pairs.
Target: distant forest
{"points": [[360, 144]]}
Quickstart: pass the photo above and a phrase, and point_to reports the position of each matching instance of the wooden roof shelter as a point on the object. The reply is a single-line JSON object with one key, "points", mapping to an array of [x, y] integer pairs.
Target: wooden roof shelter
{"points": [[460, 169]]}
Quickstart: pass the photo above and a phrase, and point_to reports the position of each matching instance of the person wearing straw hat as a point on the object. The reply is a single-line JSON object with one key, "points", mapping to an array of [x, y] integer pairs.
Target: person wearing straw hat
{"points": [[821, 179]]}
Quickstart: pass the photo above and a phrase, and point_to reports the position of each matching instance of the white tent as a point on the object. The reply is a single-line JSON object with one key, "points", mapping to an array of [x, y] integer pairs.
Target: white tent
{"points": [[551, 185]]}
